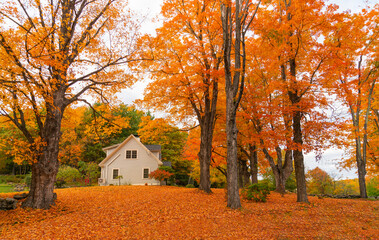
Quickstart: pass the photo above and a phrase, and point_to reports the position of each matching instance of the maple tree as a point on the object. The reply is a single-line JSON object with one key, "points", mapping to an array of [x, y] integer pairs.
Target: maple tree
{"points": [[234, 34], [160, 175], [54, 53], [355, 64], [292, 34], [186, 69], [267, 128], [266, 108]]}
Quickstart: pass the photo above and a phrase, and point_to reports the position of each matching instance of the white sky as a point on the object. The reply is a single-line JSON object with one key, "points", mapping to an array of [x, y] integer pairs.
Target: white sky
{"points": [[151, 8]]}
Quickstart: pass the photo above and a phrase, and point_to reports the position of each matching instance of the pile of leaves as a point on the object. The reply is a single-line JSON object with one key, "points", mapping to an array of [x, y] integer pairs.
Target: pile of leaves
{"points": [[154, 212]]}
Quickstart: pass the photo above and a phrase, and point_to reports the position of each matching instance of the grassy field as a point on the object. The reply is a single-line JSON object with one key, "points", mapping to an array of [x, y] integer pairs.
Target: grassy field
{"points": [[153, 212], [4, 188]]}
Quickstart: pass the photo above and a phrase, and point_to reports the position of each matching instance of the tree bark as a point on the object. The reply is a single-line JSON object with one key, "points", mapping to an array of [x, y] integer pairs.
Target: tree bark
{"points": [[298, 156], [232, 165], [253, 163], [44, 171], [207, 123], [299, 159], [232, 85], [243, 173], [204, 159], [281, 171]]}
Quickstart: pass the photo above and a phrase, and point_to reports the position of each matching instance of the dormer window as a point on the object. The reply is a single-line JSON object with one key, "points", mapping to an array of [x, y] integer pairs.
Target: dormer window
{"points": [[131, 154]]}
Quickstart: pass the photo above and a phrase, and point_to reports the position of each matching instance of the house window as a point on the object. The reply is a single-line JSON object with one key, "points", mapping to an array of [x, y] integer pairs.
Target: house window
{"points": [[131, 154], [146, 173], [115, 173]]}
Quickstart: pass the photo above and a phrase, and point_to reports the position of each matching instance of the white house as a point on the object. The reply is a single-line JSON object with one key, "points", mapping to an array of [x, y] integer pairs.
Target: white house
{"points": [[132, 161]]}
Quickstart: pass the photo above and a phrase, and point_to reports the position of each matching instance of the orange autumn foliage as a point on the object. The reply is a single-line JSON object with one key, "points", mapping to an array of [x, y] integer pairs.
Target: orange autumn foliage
{"points": [[160, 175], [150, 212]]}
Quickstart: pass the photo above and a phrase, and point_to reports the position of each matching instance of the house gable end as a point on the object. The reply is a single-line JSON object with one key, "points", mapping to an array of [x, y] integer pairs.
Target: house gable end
{"points": [[120, 146]]}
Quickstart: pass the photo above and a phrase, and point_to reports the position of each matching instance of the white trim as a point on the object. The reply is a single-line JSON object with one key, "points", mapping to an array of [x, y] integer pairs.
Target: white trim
{"points": [[109, 163], [143, 172]]}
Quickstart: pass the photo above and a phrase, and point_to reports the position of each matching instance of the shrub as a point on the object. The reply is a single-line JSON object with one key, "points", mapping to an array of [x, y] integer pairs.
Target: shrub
{"points": [[373, 186], [11, 178], [67, 174], [166, 168], [28, 180], [60, 183], [190, 186], [160, 175], [257, 192], [89, 171]]}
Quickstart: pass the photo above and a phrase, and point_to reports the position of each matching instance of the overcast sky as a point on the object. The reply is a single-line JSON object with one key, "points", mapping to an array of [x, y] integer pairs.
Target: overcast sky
{"points": [[151, 8]]}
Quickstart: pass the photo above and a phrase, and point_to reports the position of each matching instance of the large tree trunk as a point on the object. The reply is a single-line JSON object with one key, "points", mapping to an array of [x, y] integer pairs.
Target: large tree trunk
{"points": [[361, 165], [298, 156], [204, 159], [232, 165], [45, 170], [299, 159], [233, 85], [207, 123]]}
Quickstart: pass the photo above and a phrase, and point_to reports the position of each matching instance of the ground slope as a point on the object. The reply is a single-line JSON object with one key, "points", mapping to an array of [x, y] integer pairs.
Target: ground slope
{"points": [[153, 212]]}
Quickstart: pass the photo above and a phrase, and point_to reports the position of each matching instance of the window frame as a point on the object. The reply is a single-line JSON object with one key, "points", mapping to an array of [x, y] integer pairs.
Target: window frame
{"points": [[143, 173], [133, 154], [118, 173]]}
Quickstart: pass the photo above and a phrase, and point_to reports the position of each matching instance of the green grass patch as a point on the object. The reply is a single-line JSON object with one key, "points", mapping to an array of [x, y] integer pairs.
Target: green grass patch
{"points": [[5, 188]]}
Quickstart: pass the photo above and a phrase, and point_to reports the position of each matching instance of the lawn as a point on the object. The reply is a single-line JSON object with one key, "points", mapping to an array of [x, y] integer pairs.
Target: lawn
{"points": [[4, 188], [153, 212]]}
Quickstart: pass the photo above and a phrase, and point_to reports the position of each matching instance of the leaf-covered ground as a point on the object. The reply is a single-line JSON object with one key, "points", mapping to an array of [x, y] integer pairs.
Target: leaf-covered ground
{"points": [[153, 212]]}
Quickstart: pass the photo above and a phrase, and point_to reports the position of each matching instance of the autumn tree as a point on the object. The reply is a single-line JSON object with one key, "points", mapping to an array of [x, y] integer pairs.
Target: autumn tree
{"points": [[235, 27], [355, 65], [53, 54], [293, 33], [159, 131], [186, 69], [319, 181]]}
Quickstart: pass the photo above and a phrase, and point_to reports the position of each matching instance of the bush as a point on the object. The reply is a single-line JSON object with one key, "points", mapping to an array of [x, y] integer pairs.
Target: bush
{"points": [[60, 183], [257, 192], [160, 175], [67, 174], [190, 186], [28, 180], [11, 178], [373, 186], [90, 171], [167, 169]]}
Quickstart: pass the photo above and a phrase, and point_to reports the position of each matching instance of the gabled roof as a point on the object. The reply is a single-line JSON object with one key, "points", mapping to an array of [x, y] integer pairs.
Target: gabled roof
{"points": [[154, 147], [119, 146], [111, 147]]}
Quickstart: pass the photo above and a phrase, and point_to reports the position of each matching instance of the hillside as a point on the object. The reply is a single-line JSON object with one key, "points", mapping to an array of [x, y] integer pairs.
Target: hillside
{"points": [[153, 212]]}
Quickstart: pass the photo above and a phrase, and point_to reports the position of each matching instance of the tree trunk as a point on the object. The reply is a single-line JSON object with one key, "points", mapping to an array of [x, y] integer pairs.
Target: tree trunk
{"points": [[204, 159], [281, 171], [361, 164], [253, 163], [207, 122], [232, 165], [44, 171], [232, 87], [243, 173], [299, 159]]}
